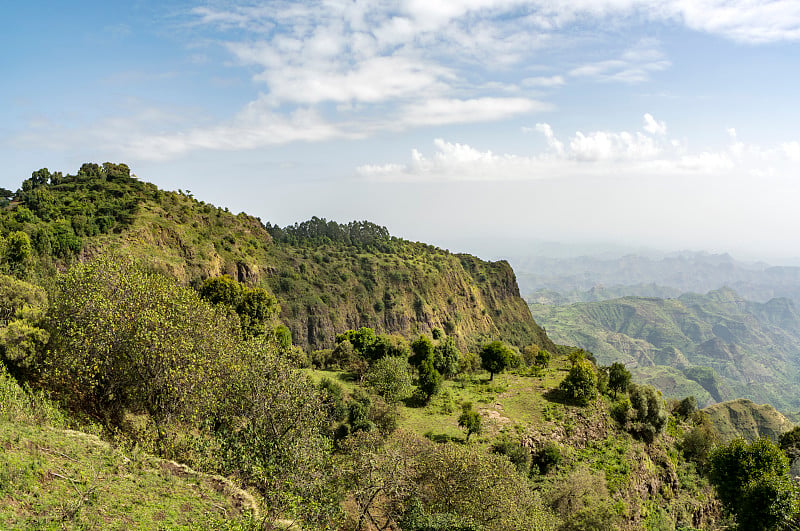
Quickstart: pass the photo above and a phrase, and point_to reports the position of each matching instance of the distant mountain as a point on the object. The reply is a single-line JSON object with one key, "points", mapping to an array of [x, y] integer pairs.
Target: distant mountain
{"points": [[717, 346], [742, 418], [586, 278]]}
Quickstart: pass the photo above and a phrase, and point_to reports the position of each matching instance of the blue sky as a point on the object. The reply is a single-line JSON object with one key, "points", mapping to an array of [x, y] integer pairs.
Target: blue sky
{"points": [[669, 124]]}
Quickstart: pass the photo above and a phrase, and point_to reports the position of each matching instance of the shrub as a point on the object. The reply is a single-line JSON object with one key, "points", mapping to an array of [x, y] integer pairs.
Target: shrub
{"points": [[470, 420], [390, 377], [580, 384], [648, 414], [546, 459]]}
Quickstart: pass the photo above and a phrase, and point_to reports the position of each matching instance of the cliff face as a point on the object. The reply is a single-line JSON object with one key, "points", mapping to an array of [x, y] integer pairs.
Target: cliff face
{"points": [[325, 285], [404, 288], [411, 290]]}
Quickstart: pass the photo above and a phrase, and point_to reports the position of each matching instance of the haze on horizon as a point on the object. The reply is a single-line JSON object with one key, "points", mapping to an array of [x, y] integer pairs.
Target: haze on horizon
{"points": [[468, 124]]}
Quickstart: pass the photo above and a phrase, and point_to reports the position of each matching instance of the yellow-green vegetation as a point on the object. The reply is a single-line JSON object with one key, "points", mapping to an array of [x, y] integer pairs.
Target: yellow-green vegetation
{"points": [[55, 478], [743, 419], [327, 277], [716, 346], [585, 465], [156, 327]]}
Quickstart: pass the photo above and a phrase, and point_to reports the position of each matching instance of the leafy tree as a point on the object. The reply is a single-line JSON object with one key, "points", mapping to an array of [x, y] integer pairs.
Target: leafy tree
{"points": [[270, 432], [496, 357], [580, 384], [518, 454], [256, 307], [390, 377], [429, 380], [446, 357], [686, 407], [542, 358], [470, 420], [389, 346], [618, 378], [583, 500], [790, 443], [576, 355], [463, 480], [752, 483], [648, 414], [547, 458], [125, 338], [17, 253], [699, 441], [421, 350], [22, 311]]}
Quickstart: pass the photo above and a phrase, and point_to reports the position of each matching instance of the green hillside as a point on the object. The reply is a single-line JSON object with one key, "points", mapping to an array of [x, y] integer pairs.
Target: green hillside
{"points": [[716, 346], [147, 380], [327, 277], [742, 418], [57, 478]]}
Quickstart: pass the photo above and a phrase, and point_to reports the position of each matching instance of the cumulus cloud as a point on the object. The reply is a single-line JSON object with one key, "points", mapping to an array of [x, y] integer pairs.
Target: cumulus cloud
{"points": [[654, 127], [601, 154], [359, 67]]}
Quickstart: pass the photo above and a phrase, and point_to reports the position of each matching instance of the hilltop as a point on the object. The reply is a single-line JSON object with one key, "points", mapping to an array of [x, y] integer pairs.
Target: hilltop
{"points": [[327, 277]]}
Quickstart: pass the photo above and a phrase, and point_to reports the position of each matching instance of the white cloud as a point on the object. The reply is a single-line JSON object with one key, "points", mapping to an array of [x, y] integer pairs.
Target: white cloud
{"points": [[598, 154], [792, 150], [543, 82], [653, 127], [635, 65], [450, 111]]}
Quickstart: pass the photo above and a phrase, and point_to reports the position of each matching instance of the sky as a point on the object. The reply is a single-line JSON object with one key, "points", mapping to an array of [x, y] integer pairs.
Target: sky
{"points": [[475, 125]]}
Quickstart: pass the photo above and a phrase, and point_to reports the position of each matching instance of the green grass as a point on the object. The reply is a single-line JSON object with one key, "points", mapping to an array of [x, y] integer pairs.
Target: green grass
{"points": [[56, 478], [51, 478]]}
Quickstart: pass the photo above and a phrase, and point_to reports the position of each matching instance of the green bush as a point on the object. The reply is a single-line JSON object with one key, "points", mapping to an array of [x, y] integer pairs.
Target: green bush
{"points": [[580, 384], [390, 377]]}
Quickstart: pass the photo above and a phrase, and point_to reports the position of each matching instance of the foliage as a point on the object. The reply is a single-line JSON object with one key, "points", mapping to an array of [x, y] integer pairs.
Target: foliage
{"points": [[470, 420], [790, 442], [17, 252], [390, 377], [270, 432], [752, 483], [446, 357], [580, 384], [496, 357], [421, 351], [648, 414], [361, 234], [430, 381], [698, 442], [686, 407], [461, 479], [22, 311], [518, 454], [256, 307], [125, 338], [618, 378], [542, 358], [582, 499], [547, 458]]}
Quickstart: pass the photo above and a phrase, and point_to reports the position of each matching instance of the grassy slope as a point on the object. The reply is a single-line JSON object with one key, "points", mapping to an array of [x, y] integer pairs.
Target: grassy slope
{"points": [[641, 478], [752, 347], [743, 418], [55, 478]]}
